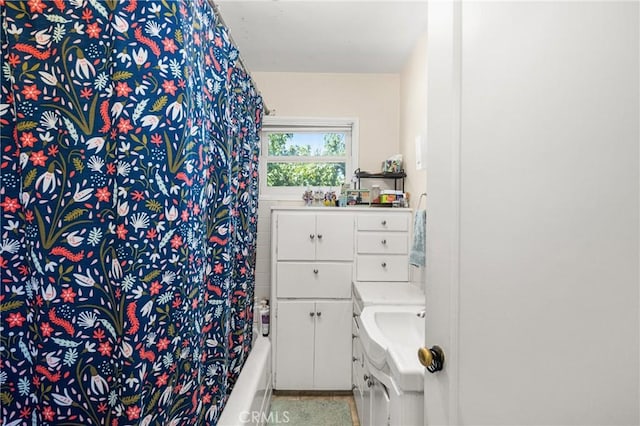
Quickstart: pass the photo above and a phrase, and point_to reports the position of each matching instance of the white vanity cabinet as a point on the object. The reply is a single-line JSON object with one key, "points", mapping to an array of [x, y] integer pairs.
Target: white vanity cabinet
{"points": [[382, 244], [312, 270]]}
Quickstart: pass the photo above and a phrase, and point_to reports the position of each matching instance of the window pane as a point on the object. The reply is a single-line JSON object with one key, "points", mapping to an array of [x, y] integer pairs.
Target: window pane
{"points": [[305, 174], [307, 144]]}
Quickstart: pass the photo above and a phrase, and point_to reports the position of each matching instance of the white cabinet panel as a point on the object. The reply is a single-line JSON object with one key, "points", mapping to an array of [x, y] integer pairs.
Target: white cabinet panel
{"points": [[383, 242], [314, 279], [334, 236], [382, 268], [333, 345], [383, 222], [295, 343], [296, 236]]}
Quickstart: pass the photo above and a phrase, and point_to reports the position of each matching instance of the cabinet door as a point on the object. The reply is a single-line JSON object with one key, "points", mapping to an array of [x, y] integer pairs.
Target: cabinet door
{"points": [[314, 279], [296, 236], [333, 346], [380, 405], [294, 345], [334, 236]]}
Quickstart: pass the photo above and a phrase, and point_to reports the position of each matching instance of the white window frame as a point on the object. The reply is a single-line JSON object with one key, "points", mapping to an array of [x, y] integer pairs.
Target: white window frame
{"points": [[293, 124]]}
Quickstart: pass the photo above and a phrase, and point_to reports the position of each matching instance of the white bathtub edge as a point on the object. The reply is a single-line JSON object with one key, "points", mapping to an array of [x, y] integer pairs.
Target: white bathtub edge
{"points": [[250, 400]]}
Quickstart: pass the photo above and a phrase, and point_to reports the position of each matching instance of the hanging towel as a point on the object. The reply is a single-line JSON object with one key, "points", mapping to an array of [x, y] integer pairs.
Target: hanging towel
{"points": [[417, 255]]}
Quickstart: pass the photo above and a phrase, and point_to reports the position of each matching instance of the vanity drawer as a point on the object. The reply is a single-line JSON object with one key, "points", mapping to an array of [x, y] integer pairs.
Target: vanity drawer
{"points": [[383, 242], [314, 279], [382, 267], [383, 222]]}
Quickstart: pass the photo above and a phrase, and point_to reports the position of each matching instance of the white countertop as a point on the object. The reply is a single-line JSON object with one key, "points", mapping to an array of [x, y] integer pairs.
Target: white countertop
{"points": [[388, 293]]}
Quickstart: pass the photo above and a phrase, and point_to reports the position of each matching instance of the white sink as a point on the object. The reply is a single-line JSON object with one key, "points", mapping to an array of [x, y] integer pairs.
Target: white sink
{"points": [[391, 336]]}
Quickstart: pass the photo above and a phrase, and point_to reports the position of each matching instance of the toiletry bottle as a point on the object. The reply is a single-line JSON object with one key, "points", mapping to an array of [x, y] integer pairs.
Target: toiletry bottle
{"points": [[264, 318]]}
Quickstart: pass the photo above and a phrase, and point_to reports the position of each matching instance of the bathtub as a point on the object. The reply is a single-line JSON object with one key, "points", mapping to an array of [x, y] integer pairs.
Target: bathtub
{"points": [[250, 400]]}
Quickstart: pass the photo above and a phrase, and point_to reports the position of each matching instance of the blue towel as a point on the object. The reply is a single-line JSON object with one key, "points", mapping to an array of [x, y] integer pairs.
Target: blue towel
{"points": [[417, 255]]}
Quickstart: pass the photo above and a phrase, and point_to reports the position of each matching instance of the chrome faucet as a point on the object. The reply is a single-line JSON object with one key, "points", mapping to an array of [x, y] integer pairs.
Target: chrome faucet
{"points": [[421, 314]]}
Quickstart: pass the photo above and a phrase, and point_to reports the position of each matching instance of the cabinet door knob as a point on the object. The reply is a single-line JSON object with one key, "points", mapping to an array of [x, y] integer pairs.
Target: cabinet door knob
{"points": [[318, 313], [384, 223], [384, 264], [384, 241], [311, 236], [311, 314], [319, 236], [315, 271]]}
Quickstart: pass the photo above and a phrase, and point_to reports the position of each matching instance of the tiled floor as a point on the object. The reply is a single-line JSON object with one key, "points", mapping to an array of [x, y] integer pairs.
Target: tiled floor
{"points": [[302, 395]]}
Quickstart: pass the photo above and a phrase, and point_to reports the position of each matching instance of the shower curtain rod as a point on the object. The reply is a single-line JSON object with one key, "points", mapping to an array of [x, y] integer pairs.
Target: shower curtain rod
{"points": [[214, 6]]}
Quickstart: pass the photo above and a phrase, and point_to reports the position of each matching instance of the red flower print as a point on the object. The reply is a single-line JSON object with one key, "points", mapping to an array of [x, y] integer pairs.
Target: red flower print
{"points": [[162, 344], [86, 93], [15, 319], [121, 232], [25, 413], [14, 59], [218, 41], [28, 216], [103, 194], [68, 295], [102, 407], [93, 30], [176, 241], [98, 334], [46, 329], [87, 15], [111, 168], [218, 268], [152, 233], [137, 195], [156, 139], [105, 349], [169, 45], [123, 89], [36, 6], [48, 414], [31, 92], [52, 150], [169, 87], [184, 215], [162, 380], [155, 288], [133, 412], [124, 125], [38, 158], [10, 204]]}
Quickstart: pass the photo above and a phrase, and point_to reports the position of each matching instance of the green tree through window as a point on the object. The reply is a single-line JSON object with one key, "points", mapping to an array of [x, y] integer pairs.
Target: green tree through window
{"points": [[301, 164]]}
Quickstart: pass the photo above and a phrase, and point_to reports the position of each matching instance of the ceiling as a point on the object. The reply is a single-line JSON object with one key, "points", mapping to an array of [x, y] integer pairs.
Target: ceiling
{"points": [[324, 36]]}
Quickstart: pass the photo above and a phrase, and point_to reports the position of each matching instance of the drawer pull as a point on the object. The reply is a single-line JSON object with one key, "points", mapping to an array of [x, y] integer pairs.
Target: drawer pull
{"points": [[384, 264], [311, 314], [311, 236], [355, 315], [384, 242], [315, 271], [319, 236], [384, 223], [319, 314]]}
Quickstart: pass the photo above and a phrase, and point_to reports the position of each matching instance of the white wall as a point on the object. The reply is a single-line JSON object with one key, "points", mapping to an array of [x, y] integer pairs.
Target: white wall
{"points": [[372, 98], [413, 113], [542, 240]]}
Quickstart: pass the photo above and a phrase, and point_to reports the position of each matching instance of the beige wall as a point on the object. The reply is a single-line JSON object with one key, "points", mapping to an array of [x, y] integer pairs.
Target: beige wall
{"points": [[372, 98], [413, 117]]}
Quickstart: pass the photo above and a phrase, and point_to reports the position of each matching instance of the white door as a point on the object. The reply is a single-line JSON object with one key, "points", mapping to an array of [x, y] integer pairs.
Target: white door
{"points": [[296, 236], [333, 345], [533, 213], [334, 236], [294, 345]]}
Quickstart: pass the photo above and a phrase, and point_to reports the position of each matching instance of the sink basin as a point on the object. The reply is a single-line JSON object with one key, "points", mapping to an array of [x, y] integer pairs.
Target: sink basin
{"points": [[391, 336]]}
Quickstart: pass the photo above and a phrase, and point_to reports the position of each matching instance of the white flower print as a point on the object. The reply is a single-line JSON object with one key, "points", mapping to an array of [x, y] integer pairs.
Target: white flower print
{"points": [[95, 163]]}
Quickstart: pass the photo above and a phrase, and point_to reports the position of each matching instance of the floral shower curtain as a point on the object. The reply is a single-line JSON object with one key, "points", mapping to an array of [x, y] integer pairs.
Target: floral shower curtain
{"points": [[129, 204]]}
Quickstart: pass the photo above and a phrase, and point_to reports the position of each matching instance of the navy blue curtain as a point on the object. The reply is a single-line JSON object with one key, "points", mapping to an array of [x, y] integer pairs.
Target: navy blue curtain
{"points": [[129, 210]]}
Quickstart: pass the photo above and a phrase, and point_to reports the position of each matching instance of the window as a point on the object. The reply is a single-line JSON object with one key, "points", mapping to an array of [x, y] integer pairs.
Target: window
{"points": [[299, 153]]}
